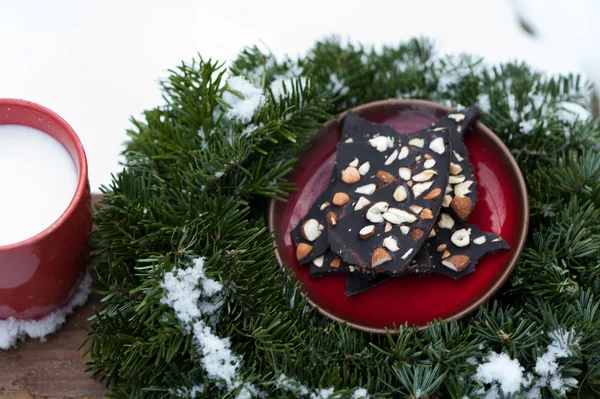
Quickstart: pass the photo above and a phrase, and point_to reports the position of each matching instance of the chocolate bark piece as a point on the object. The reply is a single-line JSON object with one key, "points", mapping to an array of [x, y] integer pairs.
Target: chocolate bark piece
{"points": [[458, 246], [459, 202], [461, 195], [311, 232], [462, 183], [358, 282], [389, 216]]}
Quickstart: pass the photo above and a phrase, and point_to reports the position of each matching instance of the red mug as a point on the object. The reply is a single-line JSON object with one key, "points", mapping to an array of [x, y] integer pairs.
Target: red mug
{"points": [[41, 274]]}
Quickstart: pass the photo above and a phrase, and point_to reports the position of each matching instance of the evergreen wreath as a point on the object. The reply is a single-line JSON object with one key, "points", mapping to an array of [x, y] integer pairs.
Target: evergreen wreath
{"points": [[195, 304]]}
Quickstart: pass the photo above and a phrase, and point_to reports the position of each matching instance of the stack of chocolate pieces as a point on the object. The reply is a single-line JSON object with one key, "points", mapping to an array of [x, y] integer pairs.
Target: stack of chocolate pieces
{"points": [[396, 205]]}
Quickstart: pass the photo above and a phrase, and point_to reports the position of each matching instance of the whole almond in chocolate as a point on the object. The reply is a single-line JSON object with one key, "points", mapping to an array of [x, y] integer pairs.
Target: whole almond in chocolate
{"points": [[350, 175], [385, 177], [302, 250], [340, 198], [462, 206]]}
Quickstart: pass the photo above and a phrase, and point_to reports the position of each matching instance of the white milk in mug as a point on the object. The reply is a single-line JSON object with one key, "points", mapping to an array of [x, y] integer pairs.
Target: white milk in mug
{"points": [[38, 180]]}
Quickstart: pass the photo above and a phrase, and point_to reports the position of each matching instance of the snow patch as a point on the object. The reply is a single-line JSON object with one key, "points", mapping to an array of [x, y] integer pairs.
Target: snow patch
{"points": [[248, 130], [483, 100], [492, 393], [194, 298], [549, 372], [189, 292], [336, 85], [249, 391], [527, 126], [285, 82], [400, 65], [507, 377], [202, 135], [325, 393], [571, 112], [183, 292], [512, 107], [251, 98], [12, 330], [217, 359], [289, 384], [191, 393], [501, 369], [255, 75], [360, 393]]}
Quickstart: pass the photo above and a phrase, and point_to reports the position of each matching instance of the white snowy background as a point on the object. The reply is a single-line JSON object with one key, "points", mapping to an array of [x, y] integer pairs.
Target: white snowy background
{"points": [[97, 62]]}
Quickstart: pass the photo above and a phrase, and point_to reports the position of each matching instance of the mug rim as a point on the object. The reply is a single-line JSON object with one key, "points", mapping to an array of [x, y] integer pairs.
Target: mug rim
{"points": [[82, 176]]}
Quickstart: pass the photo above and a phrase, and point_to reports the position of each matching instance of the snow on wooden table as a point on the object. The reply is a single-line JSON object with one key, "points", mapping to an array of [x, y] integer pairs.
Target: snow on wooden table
{"points": [[54, 368]]}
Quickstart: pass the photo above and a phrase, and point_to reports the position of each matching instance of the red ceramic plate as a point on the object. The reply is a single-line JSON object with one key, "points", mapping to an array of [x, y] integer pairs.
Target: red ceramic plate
{"points": [[502, 208]]}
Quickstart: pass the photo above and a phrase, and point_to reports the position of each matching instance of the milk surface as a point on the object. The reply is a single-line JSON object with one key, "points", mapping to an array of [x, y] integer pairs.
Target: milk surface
{"points": [[38, 180]]}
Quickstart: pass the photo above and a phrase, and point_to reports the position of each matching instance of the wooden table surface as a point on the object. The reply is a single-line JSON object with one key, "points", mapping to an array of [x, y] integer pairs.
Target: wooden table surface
{"points": [[54, 368]]}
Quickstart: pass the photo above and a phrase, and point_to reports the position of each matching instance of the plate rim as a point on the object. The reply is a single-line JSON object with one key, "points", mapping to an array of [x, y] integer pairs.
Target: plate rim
{"points": [[521, 189]]}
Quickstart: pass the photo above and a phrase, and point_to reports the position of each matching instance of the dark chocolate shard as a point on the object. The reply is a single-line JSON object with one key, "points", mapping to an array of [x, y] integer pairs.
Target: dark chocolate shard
{"points": [[461, 195], [318, 212], [459, 202], [462, 180], [357, 282], [458, 246], [389, 216]]}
